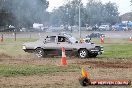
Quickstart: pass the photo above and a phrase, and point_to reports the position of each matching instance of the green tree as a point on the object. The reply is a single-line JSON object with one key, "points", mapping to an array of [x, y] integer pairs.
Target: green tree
{"points": [[97, 13], [68, 14], [23, 13], [94, 12], [112, 14]]}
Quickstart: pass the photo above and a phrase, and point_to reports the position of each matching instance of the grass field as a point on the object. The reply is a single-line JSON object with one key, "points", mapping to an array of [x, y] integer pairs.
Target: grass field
{"points": [[28, 69], [13, 48], [33, 73], [114, 48]]}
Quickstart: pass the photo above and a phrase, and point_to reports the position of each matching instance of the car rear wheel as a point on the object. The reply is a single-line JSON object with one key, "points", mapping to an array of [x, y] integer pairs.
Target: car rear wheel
{"points": [[83, 53], [39, 52]]}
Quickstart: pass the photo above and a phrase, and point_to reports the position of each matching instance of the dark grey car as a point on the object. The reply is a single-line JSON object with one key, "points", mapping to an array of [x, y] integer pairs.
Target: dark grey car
{"points": [[95, 35]]}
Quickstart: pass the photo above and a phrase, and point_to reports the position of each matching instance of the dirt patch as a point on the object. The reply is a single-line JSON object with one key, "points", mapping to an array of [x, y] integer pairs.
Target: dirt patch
{"points": [[102, 69], [98, 63], [108, 64], [33, 61], [51, 78], [3, 55]]}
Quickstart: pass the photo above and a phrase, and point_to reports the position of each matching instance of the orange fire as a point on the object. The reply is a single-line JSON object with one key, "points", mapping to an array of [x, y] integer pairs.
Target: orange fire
{"points": [[84, 73]]}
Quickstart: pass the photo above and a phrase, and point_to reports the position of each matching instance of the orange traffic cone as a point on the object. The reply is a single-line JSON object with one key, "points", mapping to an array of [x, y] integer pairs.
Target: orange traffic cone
{"points": [[102, 40], [63, 59], [130, 38]]}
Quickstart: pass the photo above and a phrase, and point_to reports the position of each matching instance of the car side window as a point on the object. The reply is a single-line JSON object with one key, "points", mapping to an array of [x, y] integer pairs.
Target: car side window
{"points": [[62, 39], [50, 39]]}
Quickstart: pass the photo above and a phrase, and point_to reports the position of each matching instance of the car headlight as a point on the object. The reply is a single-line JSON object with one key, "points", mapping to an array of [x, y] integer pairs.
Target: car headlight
{"points": [[23, 47]]}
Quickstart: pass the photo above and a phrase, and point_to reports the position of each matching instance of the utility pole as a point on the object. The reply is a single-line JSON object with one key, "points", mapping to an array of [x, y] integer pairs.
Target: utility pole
{"points": [[79, 20]]}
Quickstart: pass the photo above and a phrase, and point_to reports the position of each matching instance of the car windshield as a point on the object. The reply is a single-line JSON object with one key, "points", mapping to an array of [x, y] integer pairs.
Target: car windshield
{"points": [[70, 37], [73, 40], [67, 35]]}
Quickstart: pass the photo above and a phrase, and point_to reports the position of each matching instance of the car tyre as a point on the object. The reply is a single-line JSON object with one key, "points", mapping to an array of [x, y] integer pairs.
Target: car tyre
{"points": [[39, 52], [83, 53]]}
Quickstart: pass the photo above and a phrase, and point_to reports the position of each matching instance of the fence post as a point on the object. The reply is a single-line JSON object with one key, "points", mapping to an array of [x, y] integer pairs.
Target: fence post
{"points": [[15, 36], [30, 35], [1, 38]]}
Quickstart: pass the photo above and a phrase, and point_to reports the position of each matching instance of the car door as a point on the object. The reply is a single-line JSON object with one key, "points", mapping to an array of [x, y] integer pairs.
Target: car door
{"points": [[51, 45], [64, 42]]}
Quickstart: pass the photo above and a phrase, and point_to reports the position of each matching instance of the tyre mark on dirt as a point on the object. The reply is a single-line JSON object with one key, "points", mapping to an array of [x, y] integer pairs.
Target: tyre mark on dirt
{"points": [[105, 64]]}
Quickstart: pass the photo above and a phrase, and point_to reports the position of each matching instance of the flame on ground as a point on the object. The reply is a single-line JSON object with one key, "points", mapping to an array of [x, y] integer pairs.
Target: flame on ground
{"points": [[84, 73]]}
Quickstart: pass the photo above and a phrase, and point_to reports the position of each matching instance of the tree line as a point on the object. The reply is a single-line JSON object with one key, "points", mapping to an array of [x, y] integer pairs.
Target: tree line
{"points": [[95, 12], [23, 13]]}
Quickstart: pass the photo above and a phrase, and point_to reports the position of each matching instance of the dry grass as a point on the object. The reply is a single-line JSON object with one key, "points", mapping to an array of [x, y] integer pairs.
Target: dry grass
{"points": [[14, 60], [66, 79], [4, 55]]}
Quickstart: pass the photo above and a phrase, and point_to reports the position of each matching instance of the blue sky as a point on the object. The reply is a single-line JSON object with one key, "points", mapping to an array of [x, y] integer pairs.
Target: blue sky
{"points": [[124, 5]]}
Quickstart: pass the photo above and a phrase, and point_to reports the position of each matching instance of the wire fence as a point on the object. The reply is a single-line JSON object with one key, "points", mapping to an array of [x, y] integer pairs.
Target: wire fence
{"points": [[37, 35]]}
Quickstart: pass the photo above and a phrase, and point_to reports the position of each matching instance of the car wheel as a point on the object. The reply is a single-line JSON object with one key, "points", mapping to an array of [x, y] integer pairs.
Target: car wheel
{"points": [[83, 53], [39, 52]]}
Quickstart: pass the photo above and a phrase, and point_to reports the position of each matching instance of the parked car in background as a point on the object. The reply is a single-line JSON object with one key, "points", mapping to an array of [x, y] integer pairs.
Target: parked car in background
{"points": [[119, 27], [104, 28], [95, 28], [95, 35], [51, 45], [89, 28], [9, 28]]}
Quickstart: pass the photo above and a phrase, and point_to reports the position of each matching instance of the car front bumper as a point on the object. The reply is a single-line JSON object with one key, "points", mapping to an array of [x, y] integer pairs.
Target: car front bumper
{"points": [[98, 50], [29, 50]]}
